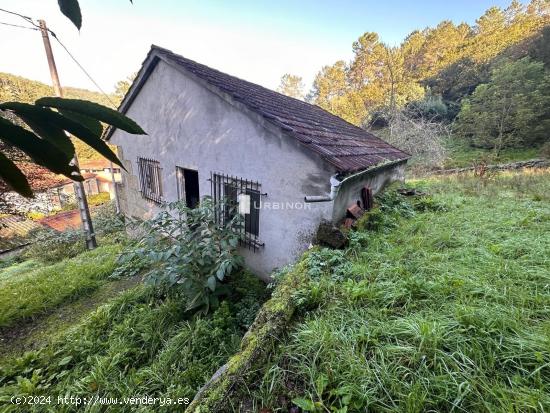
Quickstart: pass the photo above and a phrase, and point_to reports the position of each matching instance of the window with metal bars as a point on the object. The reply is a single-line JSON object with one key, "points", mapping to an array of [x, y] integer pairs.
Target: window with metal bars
{"points": [[150, 179], [232, 195]]}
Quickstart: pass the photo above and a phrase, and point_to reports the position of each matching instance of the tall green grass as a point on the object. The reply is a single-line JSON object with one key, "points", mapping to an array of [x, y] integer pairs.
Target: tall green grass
{"points": [[143, 343], [448, 311], [32, 292]]}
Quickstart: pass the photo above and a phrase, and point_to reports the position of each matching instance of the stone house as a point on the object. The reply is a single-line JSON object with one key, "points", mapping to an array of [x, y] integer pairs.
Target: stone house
{"points": [[212, 134]]}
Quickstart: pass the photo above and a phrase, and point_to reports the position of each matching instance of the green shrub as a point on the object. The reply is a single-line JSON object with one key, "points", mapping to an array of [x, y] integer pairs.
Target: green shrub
{"points": [[98, 199], [108, 222], [50, 246], [189, 250]]}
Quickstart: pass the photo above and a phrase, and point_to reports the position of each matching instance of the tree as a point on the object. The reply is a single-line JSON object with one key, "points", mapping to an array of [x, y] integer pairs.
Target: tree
{"points": [[122, 87], [511, 109], [419, 135], [291, 85]]}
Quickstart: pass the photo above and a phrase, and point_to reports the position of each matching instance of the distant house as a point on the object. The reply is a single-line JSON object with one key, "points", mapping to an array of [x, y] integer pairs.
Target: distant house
{"points": [[210, 133], [54, 191], [94, 183]]}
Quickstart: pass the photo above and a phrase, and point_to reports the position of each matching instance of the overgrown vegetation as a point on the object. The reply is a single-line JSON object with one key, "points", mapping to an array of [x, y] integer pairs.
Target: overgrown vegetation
{"points": [[187, 248], [443, 307], [495, 73], [50, 246], [41, 288], [142, 343]]}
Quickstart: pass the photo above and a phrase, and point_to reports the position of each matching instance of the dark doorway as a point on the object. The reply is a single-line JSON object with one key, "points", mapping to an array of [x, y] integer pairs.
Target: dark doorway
{"points": [[188, 186]]}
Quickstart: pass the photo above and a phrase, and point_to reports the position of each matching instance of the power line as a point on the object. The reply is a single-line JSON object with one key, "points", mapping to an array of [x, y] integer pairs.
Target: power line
{"points": [[16, 14], [19, 26], [37, 27], [82, 68]]}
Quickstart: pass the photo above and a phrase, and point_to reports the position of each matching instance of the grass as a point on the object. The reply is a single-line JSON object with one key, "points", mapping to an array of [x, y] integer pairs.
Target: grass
{"points": [[28, 290], [445, 310], [461, 155], [36, 334], [141, 343]]}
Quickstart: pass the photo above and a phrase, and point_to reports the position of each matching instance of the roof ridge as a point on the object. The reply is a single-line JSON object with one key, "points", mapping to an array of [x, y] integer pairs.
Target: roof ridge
{"points": [[314, 127]]}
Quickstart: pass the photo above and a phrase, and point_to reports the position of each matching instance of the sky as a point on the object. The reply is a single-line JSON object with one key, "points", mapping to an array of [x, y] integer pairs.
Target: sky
{"points": [[255, 40]]}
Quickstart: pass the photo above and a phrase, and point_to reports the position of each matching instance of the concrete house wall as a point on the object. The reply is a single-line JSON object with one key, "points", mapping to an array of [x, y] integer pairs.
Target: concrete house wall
{"points": [[192, 125]]}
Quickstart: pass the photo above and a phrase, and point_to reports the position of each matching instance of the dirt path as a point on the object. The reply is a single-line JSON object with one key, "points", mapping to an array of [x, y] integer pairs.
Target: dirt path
{"points": [[35, 333]]}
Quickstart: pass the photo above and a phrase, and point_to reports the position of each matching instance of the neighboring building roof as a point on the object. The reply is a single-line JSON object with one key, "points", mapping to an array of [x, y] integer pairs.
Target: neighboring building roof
{"points": [[14, 230], [96, 164], [63, 220], [345, 146], [67, 181]]}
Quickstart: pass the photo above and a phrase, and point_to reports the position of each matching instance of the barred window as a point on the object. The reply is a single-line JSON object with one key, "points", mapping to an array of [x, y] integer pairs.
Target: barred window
{"points": [[231, 195], [150, 179]]}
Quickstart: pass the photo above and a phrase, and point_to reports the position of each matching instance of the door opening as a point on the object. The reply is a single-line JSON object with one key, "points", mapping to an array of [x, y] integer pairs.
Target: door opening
{"points": [[188, 186]]}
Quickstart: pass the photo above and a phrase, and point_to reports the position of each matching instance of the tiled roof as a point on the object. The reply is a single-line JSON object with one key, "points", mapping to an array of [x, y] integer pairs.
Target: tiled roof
{"points": [[13, 231], [345, 146], [94, 164], [67, 181], [63, 220]]}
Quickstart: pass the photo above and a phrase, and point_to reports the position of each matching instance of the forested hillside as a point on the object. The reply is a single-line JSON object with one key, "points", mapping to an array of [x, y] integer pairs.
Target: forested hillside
{"points": [[17, 88], [487, 83]]}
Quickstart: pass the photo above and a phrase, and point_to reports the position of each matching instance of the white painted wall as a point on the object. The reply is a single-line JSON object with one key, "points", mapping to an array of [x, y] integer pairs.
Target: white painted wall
{"points": [[189, 124]]}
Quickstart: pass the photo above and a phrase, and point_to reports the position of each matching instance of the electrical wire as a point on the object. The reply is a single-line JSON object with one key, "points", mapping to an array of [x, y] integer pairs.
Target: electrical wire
{"points": [[19, 26], [37, 27], [82, 68], [27, 18]]}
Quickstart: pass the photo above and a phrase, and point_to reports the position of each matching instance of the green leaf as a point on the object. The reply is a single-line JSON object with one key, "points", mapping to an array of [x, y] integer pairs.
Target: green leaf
{"points": [[65, 361], [13, 176], [57, 120], [95, 111], [40, 150], [42, 122], [320, 384], [71, 9], [304, 404], [93, 124], [212, 283]]}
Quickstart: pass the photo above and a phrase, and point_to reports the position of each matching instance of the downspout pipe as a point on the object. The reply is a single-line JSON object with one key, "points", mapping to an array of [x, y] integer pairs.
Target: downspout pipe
{"points": [[334, 187], [336, 184]]}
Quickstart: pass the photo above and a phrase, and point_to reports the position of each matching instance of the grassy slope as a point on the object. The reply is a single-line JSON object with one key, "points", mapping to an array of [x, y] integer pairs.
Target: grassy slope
{"points": [[460, 155], [37, 333], [450, 310], [141, 343], [28, 290]]}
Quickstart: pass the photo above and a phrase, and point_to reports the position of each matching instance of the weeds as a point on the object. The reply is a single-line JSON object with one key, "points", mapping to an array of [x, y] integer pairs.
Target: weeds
{"points": [[33, 290], [448, 311], [142, 343]]}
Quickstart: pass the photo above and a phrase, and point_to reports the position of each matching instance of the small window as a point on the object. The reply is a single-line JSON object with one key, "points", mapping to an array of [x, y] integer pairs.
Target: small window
{"points": [[232, 195], [150, 179], [188, 186]]}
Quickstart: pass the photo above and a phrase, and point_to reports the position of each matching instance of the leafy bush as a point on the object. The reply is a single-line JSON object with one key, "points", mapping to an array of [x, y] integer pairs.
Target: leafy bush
{"points": [[99, 199], [35, 215], [108, 222], [49, 245], [186, 248], [431, 107]]}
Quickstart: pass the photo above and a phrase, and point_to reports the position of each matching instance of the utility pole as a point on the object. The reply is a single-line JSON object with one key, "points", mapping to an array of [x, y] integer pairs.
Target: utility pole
{"points": [[80, 194]]}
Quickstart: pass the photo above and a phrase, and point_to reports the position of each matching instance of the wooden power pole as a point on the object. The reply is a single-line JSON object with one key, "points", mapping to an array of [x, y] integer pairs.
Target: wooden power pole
{"points": [[80, 194]]}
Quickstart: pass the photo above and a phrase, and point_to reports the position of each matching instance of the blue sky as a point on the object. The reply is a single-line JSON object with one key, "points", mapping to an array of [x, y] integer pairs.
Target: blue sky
{"points": [[255, 40]]}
